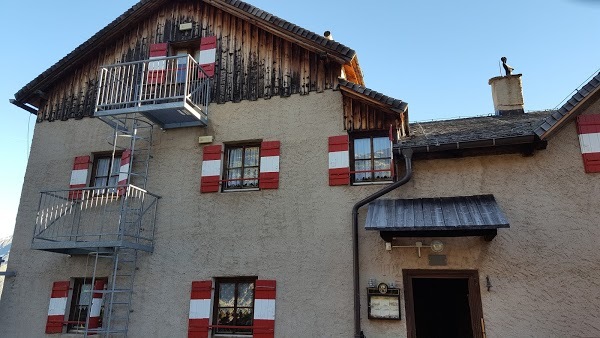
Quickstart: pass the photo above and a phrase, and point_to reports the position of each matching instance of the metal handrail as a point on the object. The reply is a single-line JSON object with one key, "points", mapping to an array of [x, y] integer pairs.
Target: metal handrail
{"points": [[96, 214], [154, 81]]}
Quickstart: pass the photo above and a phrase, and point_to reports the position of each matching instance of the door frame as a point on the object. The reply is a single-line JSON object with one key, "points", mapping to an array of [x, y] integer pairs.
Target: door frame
{"points": [[472, 276]]}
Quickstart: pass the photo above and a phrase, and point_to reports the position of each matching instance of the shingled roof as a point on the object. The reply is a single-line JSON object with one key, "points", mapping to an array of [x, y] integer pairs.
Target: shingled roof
{"points": [[143, 8], [562, 115], [377, 96], [472, 129]]}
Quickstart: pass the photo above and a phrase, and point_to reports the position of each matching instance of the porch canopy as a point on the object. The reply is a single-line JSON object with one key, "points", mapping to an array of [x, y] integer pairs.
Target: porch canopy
{"points": [[478, 215]]}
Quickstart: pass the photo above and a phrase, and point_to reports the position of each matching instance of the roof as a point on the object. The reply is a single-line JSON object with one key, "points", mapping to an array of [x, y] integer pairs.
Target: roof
{"points": [[144, 8], [563, 114], [480, 212], [376, 96], [470, 129]]}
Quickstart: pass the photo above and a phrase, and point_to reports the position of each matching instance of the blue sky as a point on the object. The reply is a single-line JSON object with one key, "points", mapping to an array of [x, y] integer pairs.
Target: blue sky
{"points": [[435, 55]]}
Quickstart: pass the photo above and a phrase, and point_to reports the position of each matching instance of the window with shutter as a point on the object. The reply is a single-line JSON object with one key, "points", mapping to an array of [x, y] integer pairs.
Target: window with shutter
{"points": [[246, 166], [73, 314]]}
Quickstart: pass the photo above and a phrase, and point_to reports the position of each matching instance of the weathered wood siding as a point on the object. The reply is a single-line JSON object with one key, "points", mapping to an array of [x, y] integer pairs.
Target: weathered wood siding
{"points": [[361, 116], [251, 63]]}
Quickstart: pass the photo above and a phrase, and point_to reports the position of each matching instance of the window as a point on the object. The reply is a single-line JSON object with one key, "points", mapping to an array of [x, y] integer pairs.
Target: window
{"points": [[234, 305], [81, 301], [100, 172], [372, 159], [241, 167]]}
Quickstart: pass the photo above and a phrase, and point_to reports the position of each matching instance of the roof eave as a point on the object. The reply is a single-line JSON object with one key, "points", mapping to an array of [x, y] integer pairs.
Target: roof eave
{"points": [[552, 124], [384, 107], [87, 48], [526, 144], [338, 56]]}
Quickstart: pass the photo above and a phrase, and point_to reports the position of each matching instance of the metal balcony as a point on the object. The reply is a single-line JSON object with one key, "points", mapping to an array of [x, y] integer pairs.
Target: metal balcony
{"points": [[173, 92], [80, 221]]}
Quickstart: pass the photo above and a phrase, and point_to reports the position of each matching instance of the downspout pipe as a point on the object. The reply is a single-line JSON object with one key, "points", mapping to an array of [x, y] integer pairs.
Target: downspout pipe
{"points": [[407, 153]]}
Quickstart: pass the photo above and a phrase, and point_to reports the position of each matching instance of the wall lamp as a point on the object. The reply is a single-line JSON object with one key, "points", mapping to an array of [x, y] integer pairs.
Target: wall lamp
{"points": [[435, 246]]}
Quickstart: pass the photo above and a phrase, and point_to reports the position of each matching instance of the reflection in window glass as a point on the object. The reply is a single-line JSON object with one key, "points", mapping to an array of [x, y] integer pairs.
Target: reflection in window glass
{"points": [[372, 159], [235, 307]]}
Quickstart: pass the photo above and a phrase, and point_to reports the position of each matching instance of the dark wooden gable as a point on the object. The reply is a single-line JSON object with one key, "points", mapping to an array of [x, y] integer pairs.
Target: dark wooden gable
{"points": [[251, 62], [368, 110]]}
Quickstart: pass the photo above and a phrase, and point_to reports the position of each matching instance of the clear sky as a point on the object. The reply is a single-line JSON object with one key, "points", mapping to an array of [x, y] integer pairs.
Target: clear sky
{"points": [[435, 55]]}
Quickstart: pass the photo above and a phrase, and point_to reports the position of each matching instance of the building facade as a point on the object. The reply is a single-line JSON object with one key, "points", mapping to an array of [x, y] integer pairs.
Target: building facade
{"points": [[213, 170]]}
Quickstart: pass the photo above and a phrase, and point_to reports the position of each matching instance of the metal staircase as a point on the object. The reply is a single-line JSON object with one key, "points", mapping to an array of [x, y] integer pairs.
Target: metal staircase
{"points": [[134, 134]]}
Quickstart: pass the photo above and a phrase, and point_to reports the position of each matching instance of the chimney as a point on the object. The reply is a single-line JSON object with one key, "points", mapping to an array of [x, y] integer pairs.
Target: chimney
{"points": [[507, 92]]}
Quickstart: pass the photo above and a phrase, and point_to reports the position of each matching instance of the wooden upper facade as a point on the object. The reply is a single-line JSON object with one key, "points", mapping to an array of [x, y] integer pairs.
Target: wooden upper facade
{"points": [[257, 55]]}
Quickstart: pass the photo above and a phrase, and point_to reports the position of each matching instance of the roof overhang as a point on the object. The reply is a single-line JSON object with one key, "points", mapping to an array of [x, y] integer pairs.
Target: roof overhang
{"points": [[478, 215], [525, 145], [583, 98]]}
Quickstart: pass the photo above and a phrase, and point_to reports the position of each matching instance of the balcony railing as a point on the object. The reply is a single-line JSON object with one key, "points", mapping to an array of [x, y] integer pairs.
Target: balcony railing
{"points": [[78, 221], [171, 91]]}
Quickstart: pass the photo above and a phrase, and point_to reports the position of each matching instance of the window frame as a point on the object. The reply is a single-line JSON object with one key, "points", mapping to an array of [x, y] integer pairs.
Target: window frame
{"points": [[76, 285], [93, 177], [372, 180], [215, 308], [224, 178]]}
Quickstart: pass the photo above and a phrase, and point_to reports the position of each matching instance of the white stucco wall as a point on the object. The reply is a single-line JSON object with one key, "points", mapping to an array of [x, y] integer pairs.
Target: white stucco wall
{"points": [[299, 235], [544, 269]]}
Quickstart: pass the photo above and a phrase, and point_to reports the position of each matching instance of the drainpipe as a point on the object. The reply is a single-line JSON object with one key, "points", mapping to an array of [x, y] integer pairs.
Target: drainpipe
{"points": [[407, 153]]}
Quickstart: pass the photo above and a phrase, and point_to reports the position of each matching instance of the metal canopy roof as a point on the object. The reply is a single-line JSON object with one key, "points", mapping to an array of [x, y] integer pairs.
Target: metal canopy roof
{"points": [[436, 217]]}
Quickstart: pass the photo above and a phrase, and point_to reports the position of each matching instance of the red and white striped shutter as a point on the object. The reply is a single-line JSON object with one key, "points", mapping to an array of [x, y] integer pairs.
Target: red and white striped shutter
{"points": [[79, 176], [96, 307], [200, 309], [124, 171], [208, 55], [57, 307], [269, 165], [211, 168], [588, 128], [339, 161], [264, 309], [156, 69]]}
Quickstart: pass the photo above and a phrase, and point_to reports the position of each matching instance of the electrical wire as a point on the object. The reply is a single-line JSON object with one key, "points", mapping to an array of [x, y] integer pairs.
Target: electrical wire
{"points": [[28, 132]]}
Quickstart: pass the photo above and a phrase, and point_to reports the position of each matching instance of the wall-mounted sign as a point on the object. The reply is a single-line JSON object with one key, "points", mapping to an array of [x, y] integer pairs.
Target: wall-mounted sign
{"points": [[384, 302]]}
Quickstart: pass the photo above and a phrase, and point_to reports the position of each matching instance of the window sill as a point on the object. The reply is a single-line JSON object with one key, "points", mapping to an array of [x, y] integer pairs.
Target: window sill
{"points": [[238, 190], [373, 183]]}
